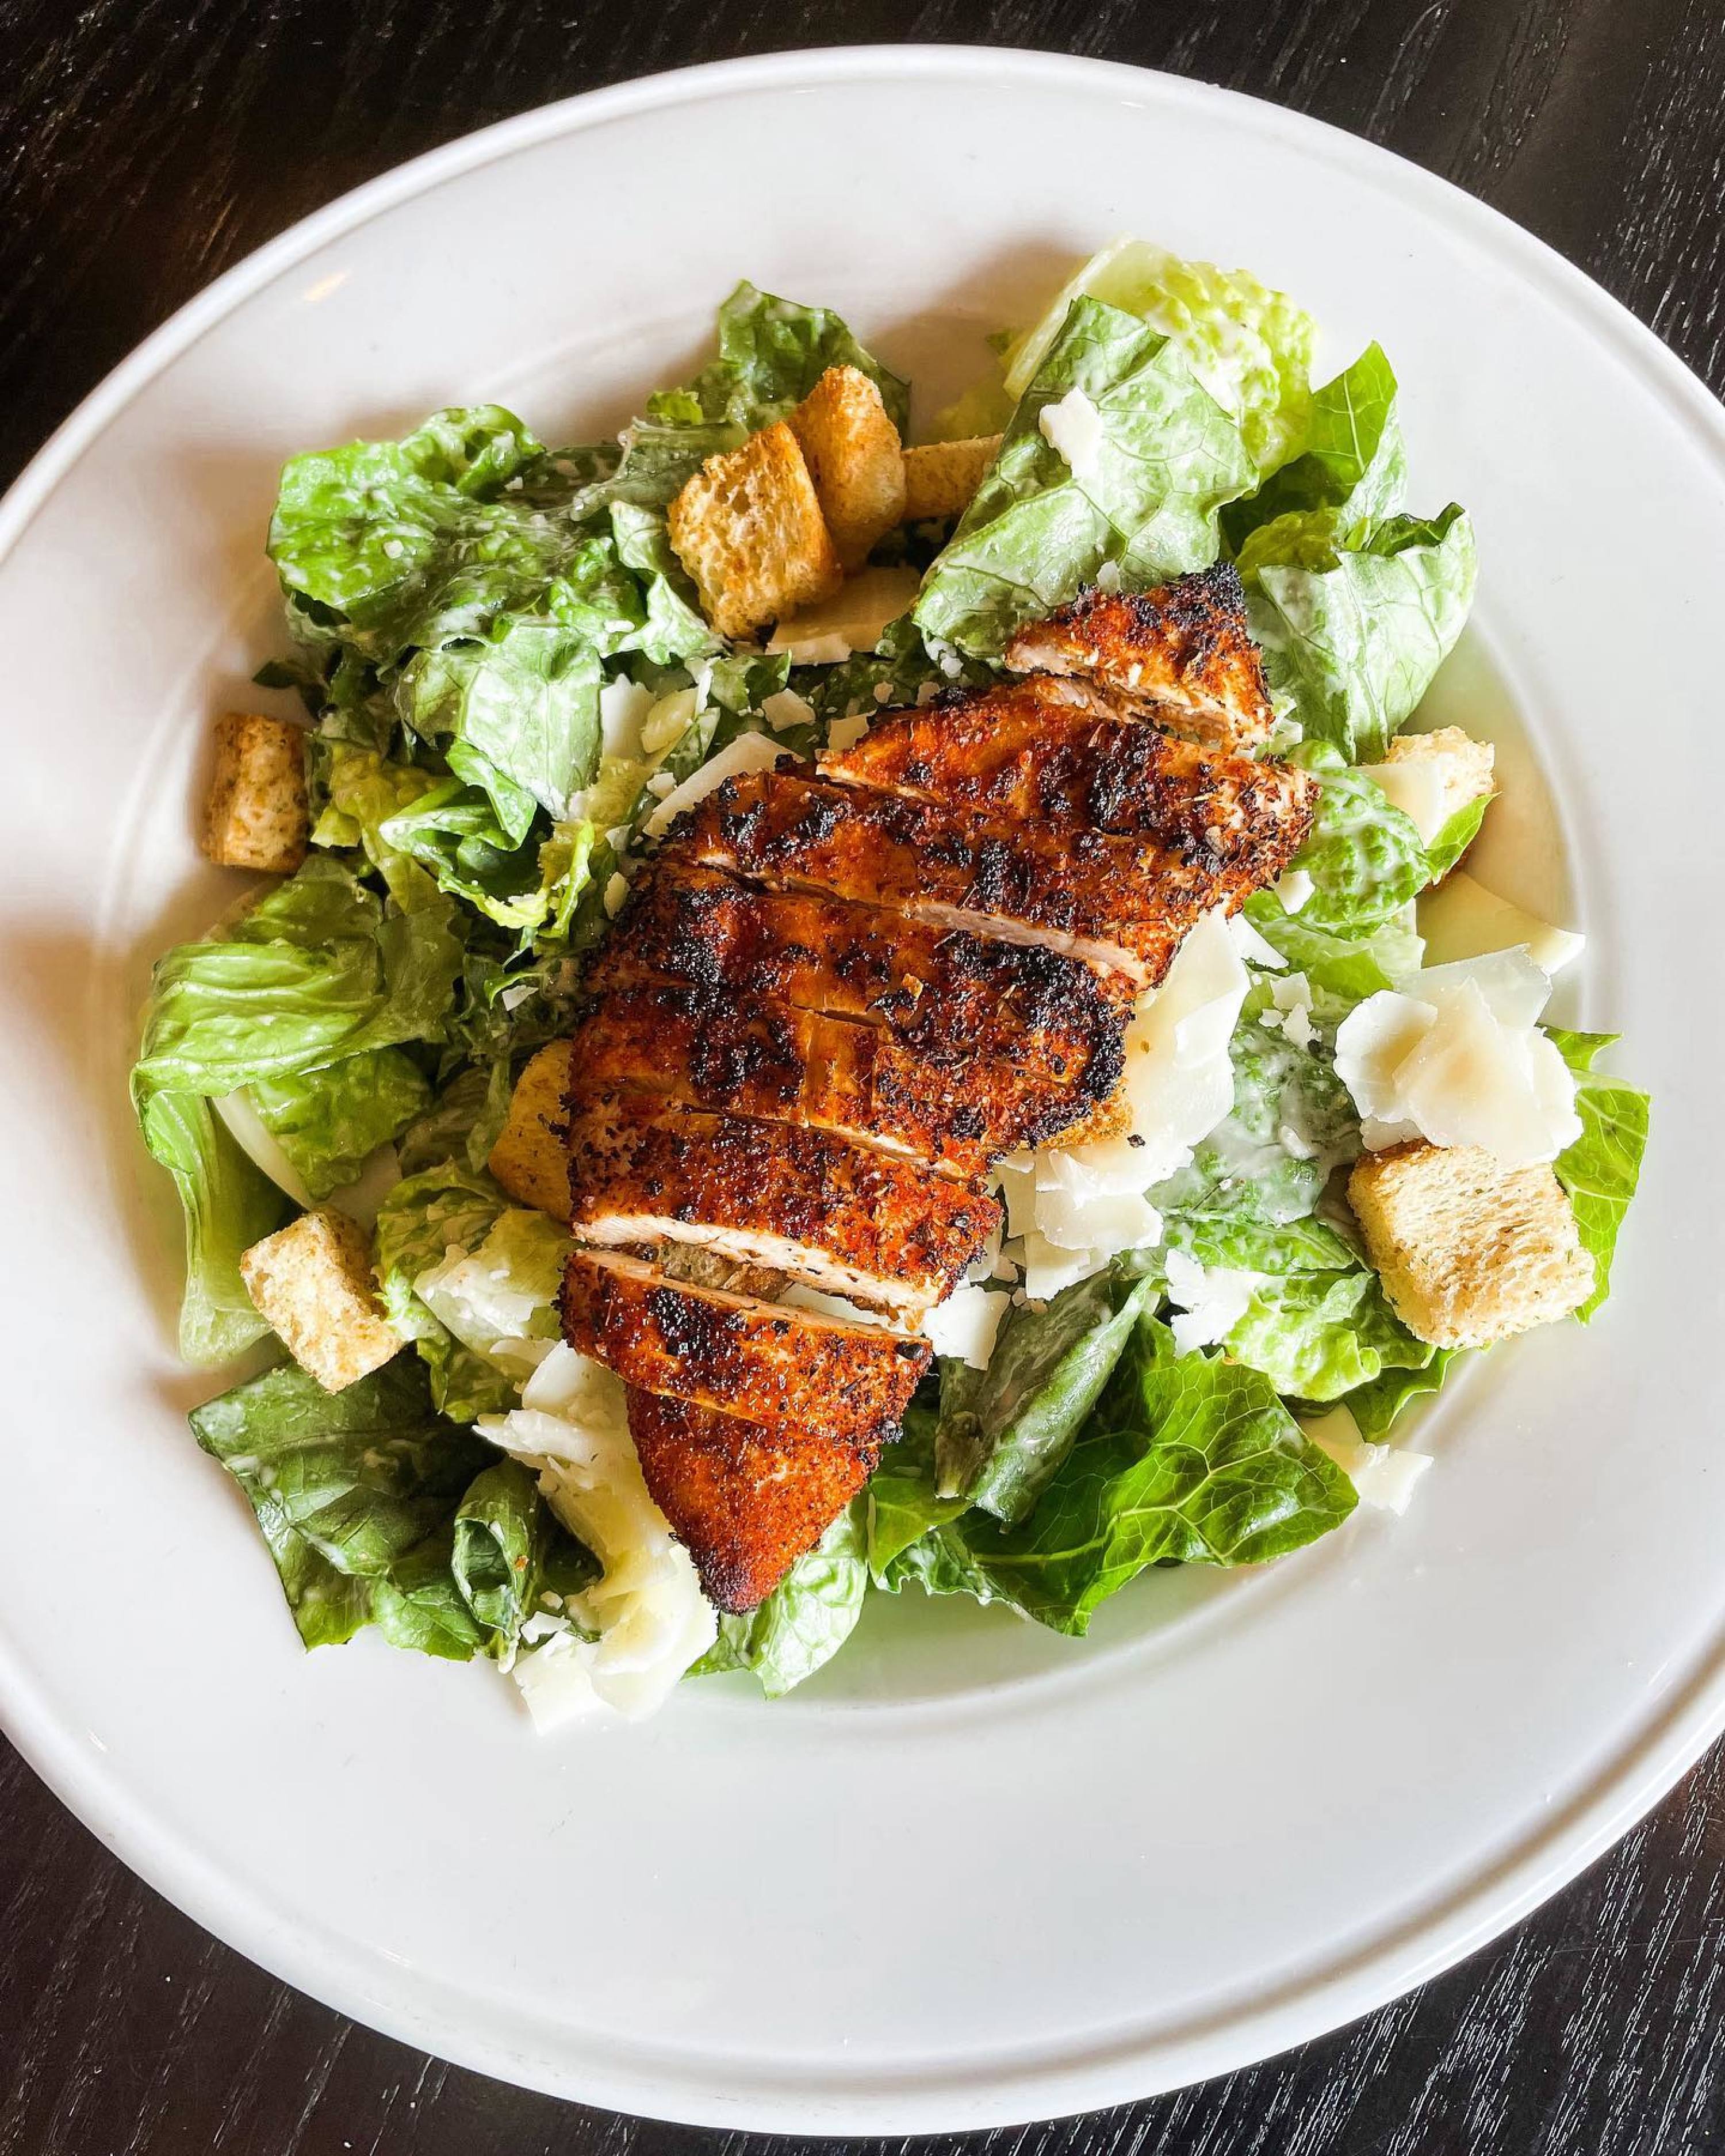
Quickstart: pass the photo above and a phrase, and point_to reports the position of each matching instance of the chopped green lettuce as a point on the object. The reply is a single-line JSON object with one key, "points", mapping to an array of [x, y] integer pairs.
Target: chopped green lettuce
{"points": [[229, 1204], [328, 1120], [1250, 346], [1318, 1335], [1356, 620], [1601, 1169], [1167, 456], [806, 1618], [1186, 1460], [772, 352], [1004, 1431], [1457, 834], [901, 1503], [356, 1492], [441, 1210], [508, 1549], [1351, 462], [1377, 1403], [1365, 857]]}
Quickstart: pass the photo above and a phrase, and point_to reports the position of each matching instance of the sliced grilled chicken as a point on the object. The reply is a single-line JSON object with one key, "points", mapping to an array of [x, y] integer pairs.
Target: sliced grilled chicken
{"points": [[746, 1500], [810, 1205], [793, 1370], [1113, 902], [1015, 751], [943, 992], [1181, 654], [767, 1060]]}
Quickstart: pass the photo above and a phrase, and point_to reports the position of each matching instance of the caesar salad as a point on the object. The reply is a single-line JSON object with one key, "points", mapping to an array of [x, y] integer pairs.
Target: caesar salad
{"points": [[840, 1013]]}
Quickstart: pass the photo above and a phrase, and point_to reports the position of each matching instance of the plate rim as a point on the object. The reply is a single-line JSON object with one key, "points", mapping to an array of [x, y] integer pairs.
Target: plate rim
{"points": [[1113, 2068]]}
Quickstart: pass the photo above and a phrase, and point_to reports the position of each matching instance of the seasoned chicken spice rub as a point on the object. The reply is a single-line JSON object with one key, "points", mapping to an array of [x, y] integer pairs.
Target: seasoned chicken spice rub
{"points": [[836, 997]]}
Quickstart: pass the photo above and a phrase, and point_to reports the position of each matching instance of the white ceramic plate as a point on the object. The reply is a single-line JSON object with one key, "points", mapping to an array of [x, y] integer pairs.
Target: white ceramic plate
{"points": [[974, 1873]]}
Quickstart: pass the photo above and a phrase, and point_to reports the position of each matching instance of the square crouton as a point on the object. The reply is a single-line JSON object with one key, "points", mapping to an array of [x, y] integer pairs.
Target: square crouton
{"points": [[1462, 766], [1470, 1252], [940, 477], [531, 1158], [851, 448], [312, 1280], [256, 815], [749, 528]]}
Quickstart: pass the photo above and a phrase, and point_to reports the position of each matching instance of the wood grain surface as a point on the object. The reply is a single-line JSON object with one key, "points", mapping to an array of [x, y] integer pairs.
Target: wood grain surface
{"points": [[146, 145]]}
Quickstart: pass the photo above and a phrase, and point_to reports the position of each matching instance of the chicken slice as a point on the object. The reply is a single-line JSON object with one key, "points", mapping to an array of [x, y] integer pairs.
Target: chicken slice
{"points": [[767, 1060], [745, 1501], [1112, 902], [838, 1216], [793, 1370], [1181, 654], [1015, 751], [938, 990]]}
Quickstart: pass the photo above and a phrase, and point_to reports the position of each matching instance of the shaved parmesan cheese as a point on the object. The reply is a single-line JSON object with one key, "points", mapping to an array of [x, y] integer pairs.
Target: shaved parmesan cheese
{"points": [[1416, 787], [650, 1616], [965, 1324], [669, 719], [1091, 1199], [1461, 919], [1252, 946], [1293, 889], [747, 752], [1458, 1060], [623, 706], [1383, 1476], [846, 733], [1073, 426], [1049, 1269], [786, 708], [1211, 1300], [1078, 1206], [851, 620]]}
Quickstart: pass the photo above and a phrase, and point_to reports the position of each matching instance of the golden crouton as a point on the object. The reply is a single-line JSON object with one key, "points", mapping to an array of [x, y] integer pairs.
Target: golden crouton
{"points": [[312, 1280], [256, 816], [1470, 1252], [940, 477], [749, 528], [1463, 765], [851, 448], [531, 1158]]}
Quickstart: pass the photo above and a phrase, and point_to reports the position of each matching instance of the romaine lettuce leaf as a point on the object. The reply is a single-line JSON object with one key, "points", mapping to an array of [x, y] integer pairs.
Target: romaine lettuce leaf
{"points": [[1168, 457], [1250, 348], [1244, 1200], [408, 544], [1004, 1431], [328, 1120], [443, 1208], [229, 1204], [520, 705], [356, 1492], [1344, 969], [1354, 623], [808, 1617], [320, 969], [1318, 1335], [900, 1504], [1351, 461], [1186, 1460], [1458, 834], [508, 1549], [1376, 1405], [772, 352], [1601, 1169], [1365, 857]]}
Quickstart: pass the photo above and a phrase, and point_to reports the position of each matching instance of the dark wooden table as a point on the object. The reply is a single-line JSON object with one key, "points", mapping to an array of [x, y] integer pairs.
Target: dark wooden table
{"points": [[147, 144]]}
